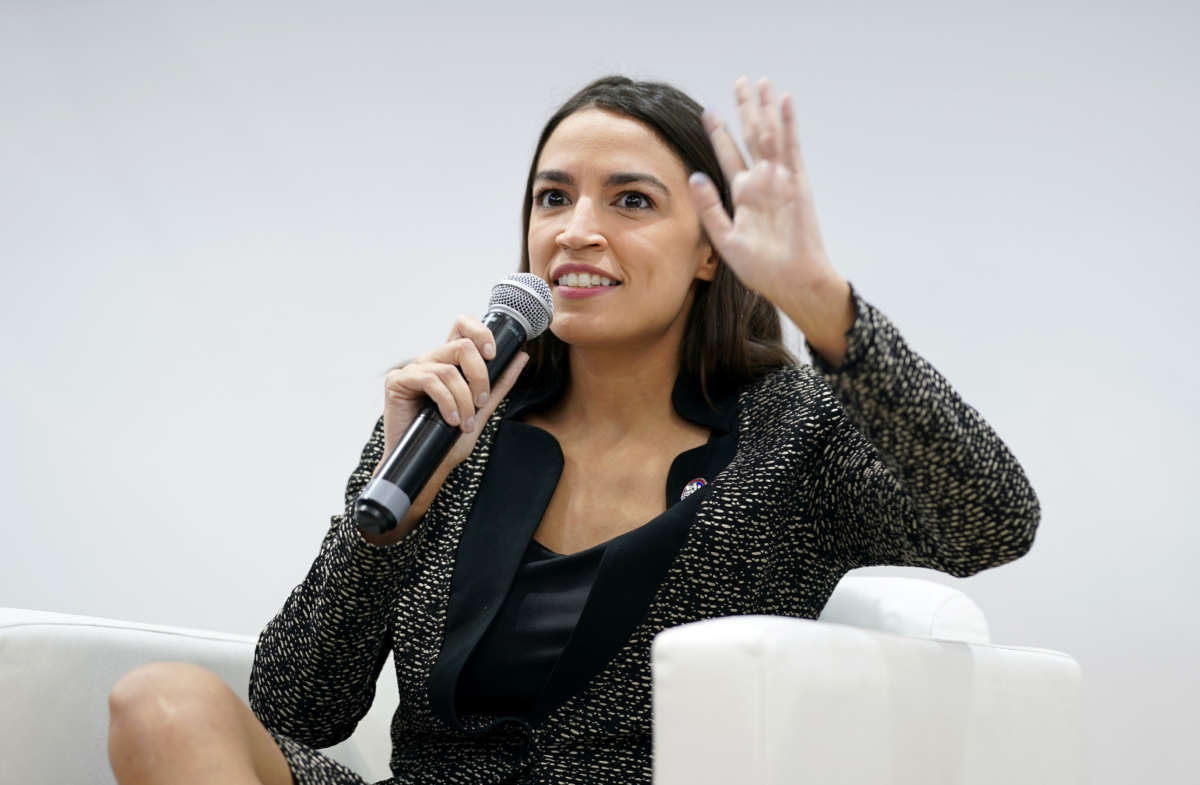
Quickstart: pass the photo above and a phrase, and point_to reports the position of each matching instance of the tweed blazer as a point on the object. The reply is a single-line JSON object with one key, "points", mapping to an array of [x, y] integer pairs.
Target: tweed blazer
{"points": [[824, 470]]}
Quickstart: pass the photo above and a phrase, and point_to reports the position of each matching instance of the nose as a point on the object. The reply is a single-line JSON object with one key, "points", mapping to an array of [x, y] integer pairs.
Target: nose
{"points": [[582, 229]]}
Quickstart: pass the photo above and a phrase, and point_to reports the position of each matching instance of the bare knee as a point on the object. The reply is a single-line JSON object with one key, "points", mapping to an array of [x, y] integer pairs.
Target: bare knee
{"points": [[159, 684], [163, 714], [162, 701]]}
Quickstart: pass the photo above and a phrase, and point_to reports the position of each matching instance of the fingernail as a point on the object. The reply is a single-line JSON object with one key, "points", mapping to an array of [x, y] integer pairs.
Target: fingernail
{"points": [[453, 418], [471, 423], [698, 178], [482, 399], [489, 351]]}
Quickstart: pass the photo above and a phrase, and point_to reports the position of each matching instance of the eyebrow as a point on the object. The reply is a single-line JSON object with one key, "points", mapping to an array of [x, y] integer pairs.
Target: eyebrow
{"points": [[616, 178]]}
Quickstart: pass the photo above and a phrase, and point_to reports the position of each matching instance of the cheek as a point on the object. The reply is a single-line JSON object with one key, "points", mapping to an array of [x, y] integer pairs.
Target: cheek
{"points": [[671, 271], [541, 249]]}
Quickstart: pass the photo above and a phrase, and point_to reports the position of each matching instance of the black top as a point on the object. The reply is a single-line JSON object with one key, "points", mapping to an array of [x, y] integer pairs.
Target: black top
{"points": [[511, 672], [514, 658]]}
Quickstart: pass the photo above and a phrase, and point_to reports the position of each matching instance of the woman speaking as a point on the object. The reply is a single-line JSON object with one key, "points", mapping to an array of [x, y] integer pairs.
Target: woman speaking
{"points": [[655, 458]]}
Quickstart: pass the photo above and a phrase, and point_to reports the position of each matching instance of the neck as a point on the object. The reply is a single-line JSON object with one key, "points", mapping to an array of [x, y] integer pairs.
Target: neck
{"points": [[616, 391]]}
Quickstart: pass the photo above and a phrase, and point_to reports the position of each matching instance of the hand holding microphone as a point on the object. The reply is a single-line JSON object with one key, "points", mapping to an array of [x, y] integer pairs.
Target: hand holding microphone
{"points": [[430, 403], [452, 376]]}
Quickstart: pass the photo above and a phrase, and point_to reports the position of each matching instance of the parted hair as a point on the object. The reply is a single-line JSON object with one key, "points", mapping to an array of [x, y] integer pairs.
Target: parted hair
{"points": [[733, 335]]}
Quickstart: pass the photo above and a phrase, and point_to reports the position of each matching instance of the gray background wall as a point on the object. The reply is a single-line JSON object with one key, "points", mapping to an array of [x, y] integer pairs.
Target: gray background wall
{"points": [[221, 222]]}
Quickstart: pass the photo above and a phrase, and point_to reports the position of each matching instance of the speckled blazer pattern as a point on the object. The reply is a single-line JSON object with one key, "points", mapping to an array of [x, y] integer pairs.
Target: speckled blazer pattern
{"points": [[877, 462]]}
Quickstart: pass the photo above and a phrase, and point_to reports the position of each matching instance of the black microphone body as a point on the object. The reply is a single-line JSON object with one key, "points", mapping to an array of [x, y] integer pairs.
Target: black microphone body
{"points": [[427, 441]]}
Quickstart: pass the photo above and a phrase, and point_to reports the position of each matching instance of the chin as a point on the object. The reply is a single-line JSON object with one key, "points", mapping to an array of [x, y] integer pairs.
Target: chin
{"points": [[576, 332]]}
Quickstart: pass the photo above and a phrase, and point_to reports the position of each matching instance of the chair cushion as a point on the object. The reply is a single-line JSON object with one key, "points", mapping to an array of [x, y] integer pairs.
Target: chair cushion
{"points": [[907, 606]]}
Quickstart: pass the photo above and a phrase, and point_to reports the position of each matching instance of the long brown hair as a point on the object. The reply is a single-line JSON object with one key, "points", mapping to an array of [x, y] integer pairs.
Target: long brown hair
{"points": [[733, 335]]}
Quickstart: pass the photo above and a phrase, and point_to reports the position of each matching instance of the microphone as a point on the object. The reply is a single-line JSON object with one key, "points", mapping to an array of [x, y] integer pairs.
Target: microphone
{"points": [[520, 308]]}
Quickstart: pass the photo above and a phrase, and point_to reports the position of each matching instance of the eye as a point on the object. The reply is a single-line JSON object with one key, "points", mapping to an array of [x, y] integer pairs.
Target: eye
{"points": [[649, 203], [537, 198]]}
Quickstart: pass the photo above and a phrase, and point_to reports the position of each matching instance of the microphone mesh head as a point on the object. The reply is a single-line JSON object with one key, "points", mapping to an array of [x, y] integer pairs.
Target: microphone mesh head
{"points": [[529, 296]]}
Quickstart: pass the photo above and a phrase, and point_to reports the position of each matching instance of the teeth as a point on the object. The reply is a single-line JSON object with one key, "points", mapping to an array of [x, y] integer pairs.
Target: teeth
{"points": [[584, 280]]}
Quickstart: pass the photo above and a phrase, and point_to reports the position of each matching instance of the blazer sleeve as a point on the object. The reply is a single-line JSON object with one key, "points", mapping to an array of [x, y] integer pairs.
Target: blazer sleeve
{"points": [[911, 474], [316, 662]]}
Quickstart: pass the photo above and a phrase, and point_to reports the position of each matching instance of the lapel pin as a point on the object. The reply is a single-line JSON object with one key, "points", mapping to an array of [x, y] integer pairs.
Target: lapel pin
{"points": [[692, 487]]}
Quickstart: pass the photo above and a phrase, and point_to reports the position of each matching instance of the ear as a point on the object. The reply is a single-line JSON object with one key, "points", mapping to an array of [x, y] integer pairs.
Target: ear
{"points": [[708, 268]]}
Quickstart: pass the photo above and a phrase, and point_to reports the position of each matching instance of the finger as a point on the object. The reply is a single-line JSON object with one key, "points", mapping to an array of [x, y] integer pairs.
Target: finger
{"points": [[791, 139], [728, 154], [716, 222], [770, 129], [467, 326], [457, 385], [748, 111], [432, 385], [474, 369]]}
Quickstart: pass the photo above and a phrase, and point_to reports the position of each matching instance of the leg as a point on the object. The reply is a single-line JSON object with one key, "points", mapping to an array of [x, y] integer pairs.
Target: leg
{"points": [[180, 723]]}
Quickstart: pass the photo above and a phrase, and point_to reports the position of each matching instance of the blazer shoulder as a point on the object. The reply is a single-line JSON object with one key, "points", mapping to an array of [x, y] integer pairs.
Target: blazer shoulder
{"points": [[789, 397], [799, 381]]}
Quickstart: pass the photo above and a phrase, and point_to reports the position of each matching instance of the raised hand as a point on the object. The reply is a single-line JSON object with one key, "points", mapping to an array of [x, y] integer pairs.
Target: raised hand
{"points": [[773, 242]]}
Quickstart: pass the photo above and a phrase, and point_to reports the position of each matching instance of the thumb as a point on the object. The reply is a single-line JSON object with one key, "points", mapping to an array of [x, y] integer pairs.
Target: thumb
{"points": [[716, 222]]}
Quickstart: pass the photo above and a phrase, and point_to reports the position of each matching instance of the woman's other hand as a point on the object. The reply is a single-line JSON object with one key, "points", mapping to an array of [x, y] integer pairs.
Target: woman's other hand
{"points": [[773, 242]]}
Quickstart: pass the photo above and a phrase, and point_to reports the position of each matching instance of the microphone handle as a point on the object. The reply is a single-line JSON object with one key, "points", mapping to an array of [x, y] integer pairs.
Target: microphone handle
{"points": [[426, 442]]}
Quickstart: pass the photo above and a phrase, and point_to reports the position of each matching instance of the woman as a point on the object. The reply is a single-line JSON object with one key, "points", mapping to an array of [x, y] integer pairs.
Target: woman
{"points": [[521, 593]]}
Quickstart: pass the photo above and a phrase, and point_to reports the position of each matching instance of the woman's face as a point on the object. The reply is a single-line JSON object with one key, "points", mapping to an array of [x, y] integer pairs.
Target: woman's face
{"points": [[611, 199]]}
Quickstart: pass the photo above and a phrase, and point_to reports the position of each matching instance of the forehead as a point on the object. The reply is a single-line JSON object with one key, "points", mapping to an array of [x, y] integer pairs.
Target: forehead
{"points": [[604, 139]]}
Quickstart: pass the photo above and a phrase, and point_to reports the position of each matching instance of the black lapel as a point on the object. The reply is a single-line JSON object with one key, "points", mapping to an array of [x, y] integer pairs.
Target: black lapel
{"points": [[522, 473], [635, 563]]}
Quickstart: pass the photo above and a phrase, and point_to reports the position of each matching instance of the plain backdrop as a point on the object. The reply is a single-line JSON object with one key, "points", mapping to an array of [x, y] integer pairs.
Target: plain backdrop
{"points": [[221, 222]]}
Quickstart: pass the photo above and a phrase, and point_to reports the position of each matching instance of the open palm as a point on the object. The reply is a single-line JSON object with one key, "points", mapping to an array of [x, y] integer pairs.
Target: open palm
{"points": [[772, 242]]}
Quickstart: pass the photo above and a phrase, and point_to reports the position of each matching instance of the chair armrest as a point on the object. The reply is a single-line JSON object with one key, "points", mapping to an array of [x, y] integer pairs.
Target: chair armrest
{"points": [[912, 607], [766, 700], [56, 670]]}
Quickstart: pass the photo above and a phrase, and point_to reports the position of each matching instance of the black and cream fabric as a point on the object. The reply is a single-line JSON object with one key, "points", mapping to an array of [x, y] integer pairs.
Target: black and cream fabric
{"points": [[818, 471]]}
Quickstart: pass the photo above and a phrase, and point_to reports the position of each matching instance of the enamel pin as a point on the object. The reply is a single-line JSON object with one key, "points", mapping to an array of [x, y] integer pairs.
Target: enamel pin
{"points": [[692, 487]]}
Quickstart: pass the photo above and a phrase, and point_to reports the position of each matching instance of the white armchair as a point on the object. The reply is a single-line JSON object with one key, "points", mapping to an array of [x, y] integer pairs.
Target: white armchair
{"points": [[897, 683]]}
